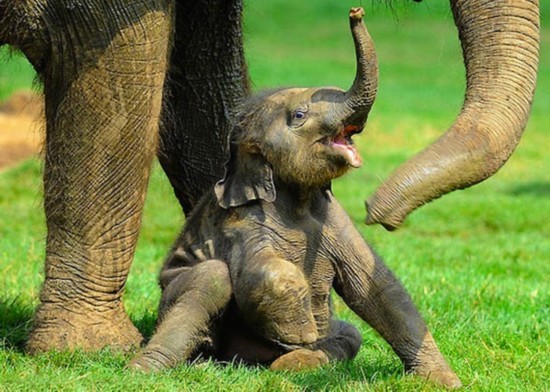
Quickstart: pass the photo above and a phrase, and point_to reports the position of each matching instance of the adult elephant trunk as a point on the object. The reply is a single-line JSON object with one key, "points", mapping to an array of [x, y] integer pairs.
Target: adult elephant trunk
{"points": [[500, 44]]}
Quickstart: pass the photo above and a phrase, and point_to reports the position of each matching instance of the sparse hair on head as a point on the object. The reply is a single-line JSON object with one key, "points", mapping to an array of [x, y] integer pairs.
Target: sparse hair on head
{"points": [[249, 112]]}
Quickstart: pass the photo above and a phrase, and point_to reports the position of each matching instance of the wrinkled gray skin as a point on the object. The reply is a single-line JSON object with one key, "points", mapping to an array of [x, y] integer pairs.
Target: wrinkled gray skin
{"points": [[250, 276], [114, 70]]}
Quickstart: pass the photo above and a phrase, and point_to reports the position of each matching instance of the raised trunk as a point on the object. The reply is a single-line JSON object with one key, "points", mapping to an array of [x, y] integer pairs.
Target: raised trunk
{"points": [[500, 43], [358, 100], [362, 93]]}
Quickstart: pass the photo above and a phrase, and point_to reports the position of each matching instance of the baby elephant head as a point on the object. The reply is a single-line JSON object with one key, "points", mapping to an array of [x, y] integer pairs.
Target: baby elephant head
{"points": [[300, 136]]}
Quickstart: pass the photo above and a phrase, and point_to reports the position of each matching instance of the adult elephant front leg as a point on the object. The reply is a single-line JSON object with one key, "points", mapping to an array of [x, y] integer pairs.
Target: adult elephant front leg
{"points": [[103, 68]]}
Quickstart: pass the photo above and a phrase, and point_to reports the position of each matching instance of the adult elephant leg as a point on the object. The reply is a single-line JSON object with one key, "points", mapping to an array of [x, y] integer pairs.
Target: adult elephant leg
{"points": [[207, 80], [103, 73]]}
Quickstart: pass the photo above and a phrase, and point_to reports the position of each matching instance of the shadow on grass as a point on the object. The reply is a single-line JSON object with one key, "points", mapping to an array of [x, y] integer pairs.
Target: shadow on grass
{"points": [[531, 189], [340, 376], [146, 324], [16, 323]]}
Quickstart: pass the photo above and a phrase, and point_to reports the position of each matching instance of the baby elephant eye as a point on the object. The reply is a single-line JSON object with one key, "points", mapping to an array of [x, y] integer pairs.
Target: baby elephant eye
{"points": [[297, 118], [300, 114]]}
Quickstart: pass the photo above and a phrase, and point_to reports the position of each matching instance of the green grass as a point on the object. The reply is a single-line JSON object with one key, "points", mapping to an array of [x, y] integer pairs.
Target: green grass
{"points": [[476, 261], [15, 73]]}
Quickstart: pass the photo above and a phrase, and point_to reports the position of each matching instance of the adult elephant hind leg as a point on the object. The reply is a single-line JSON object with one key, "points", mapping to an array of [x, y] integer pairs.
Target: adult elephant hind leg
{"points": [[103, 78], [207, 80], [188, 307]]}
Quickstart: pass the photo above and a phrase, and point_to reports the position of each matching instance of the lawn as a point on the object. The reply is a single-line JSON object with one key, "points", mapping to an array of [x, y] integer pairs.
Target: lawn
{"points": [[476, 262]]}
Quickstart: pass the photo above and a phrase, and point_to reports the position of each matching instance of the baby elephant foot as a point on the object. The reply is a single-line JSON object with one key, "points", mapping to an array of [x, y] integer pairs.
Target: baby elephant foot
{"points": [[429, 363], [151, 361], [444, 377], [435, 369], [301, 359], [142, 364]]}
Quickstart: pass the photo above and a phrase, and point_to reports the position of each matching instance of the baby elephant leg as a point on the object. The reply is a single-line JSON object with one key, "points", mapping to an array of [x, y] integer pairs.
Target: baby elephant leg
{"points": [[342, 343], [188, 305], [274, 297]]}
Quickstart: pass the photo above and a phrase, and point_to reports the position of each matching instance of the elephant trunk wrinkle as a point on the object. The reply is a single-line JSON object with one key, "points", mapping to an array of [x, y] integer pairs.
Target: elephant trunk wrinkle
{"points": [[500, 42], [360, 97]]}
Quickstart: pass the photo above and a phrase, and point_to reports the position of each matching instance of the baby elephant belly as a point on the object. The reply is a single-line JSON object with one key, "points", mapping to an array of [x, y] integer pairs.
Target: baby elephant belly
{"points": [[274, 299]]}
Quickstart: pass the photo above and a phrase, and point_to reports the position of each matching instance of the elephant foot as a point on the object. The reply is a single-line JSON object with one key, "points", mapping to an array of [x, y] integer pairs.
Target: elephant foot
{"points": [[150, 361], [61, 329], [440, 374], [141, 364], [444, 378], [301, 359], [429, 363]]}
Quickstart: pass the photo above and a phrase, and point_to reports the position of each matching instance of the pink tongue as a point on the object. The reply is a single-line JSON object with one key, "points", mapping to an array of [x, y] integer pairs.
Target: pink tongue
{"points": [[350, 152]]}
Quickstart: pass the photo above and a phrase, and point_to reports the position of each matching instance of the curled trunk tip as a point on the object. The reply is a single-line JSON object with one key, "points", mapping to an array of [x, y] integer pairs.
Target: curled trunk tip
{"points": [[356, 13]]}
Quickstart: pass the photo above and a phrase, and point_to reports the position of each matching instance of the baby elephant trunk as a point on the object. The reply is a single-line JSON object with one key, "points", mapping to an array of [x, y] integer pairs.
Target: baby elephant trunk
{"points": [[359, 99]]}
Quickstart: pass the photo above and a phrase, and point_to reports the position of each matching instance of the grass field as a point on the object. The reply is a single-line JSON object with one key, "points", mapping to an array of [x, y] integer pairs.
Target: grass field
{"points": [[476, 262]]}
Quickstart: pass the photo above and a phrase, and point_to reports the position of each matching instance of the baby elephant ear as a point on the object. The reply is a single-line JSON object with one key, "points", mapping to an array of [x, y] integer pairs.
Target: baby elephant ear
{"points": [[248, 178]]}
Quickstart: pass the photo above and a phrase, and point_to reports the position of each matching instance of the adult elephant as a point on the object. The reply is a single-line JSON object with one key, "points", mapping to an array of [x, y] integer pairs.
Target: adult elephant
{"points": [[113, 70]]}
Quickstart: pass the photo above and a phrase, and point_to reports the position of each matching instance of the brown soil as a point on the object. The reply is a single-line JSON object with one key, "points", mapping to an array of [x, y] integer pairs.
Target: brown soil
{"points": [[20, 128]]}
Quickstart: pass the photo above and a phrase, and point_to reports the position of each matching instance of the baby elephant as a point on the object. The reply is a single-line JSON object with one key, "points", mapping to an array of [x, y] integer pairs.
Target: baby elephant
{"points": [[250, 276]]}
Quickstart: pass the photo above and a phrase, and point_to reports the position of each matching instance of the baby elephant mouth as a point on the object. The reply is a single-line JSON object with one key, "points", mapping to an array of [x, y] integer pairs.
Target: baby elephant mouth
{"points": [[343, 143]]}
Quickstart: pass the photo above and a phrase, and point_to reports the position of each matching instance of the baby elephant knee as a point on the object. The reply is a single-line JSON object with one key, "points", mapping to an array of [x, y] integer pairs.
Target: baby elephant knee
{"points": [[207, 282], [275, 297], [212, 276]]}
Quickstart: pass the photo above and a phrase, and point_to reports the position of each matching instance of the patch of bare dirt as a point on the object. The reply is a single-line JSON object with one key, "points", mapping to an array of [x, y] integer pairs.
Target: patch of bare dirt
{"points": [[21, 119]]}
